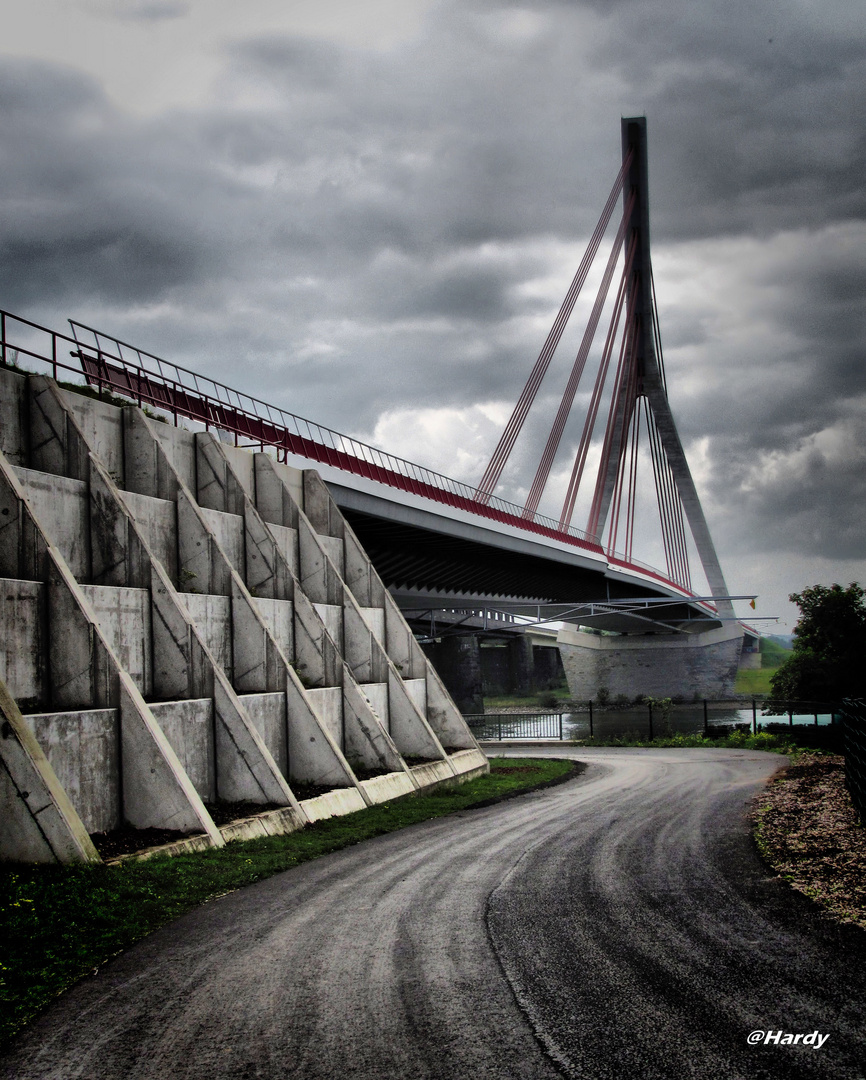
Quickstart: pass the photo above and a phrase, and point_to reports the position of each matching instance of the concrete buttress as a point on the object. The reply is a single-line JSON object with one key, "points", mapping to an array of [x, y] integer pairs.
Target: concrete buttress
{"points": [[189, 623]]}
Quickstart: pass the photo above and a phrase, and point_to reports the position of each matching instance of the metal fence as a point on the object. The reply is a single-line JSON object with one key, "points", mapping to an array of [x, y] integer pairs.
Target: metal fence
{"points": [[814, 723], [112, 366], [854, 719], [499, 726]]}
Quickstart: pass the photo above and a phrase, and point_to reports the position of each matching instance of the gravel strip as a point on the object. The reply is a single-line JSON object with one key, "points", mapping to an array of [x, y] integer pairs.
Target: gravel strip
{"points": [[807, 829]]}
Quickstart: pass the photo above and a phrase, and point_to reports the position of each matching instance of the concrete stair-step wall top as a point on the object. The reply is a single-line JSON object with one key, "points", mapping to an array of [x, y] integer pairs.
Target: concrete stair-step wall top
{"points": [[186, 623]]}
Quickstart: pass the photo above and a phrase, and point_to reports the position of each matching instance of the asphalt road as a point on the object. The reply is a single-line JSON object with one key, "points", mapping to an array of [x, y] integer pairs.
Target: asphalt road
{"points": [[618, 926]]}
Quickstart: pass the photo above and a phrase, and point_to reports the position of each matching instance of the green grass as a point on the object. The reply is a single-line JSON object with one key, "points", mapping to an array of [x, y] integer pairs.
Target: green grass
{"points": [[57, 923], [773, 653], [541, 700], [738, 740], [754, 683]]}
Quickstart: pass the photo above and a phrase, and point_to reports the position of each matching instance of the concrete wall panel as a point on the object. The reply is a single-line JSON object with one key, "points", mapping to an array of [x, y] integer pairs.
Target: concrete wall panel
{"points": [[23, 646], [157, 520], [374, 617], [189, 727], [229, 531], [279, 491], [293, 479], [417, 691], [83, 749], [39, 822], [212, 616], [102, 427], [287, 542], [179, 448], [243, 466], [377, 695], [328, 704], [332, 616], [62, 507], [333, 546], [124, 616], [13, 416], [268, 714], [278, 616]]}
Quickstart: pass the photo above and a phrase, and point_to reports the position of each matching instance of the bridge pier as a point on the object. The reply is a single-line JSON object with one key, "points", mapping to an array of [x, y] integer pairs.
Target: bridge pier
{"points": [[521, 666], [686, 666], [457, 661]]}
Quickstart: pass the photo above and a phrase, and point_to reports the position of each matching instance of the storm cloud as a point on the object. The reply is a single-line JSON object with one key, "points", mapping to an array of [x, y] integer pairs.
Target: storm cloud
{"points": [[377, 234]]}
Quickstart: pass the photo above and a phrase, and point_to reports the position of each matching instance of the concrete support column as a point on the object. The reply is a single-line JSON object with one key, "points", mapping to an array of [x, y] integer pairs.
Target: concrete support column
{"points": [[547, 667], [458, 662], [520, 667]]}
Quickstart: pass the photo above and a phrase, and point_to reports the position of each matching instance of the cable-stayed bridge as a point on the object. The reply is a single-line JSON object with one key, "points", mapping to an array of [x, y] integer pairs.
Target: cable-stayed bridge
{"points": [[460, 559]]}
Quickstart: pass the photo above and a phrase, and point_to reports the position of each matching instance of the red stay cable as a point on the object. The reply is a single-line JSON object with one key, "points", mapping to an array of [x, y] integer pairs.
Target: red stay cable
{"points": [[506, 443], [567, 401]]}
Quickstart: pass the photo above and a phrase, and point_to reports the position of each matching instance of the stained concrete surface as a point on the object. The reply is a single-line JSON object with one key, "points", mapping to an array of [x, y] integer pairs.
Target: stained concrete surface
{"points": [[620, 925]]}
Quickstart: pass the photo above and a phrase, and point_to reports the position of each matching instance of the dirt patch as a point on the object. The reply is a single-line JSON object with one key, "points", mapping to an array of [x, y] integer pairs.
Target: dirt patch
{"points": [[125, 840], [516, 770], [807, 829], [225, 812]]}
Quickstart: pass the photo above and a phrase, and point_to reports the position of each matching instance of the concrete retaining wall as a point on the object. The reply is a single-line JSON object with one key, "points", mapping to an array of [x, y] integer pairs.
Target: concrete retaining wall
{"points": [[176, 623]]}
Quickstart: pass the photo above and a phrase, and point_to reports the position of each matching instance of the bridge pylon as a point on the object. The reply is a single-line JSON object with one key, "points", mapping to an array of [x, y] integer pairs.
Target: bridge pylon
{"points": [[648, 377]]}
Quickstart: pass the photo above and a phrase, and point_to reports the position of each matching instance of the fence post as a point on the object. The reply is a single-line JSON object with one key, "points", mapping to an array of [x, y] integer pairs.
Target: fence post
{"points": [[590, 719], [790, 717], [754, 717], [706, 720], [560, 727], [499, 726], [650, 721]]}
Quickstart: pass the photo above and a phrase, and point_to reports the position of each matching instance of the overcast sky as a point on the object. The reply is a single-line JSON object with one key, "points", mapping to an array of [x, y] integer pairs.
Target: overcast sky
{"points": [[368, 211]]}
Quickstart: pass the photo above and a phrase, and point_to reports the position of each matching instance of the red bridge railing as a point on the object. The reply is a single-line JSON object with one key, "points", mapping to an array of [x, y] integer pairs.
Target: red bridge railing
{"points": [[116, 367]]}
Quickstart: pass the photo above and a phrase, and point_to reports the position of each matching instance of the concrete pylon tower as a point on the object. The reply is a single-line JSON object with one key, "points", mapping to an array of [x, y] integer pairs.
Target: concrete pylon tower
{"points": [[650, 383]]}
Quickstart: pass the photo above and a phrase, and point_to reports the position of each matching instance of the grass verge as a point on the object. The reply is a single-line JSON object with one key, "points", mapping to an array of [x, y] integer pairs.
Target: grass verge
{"points": [[57, 923], [754, 683], [737, 740]]}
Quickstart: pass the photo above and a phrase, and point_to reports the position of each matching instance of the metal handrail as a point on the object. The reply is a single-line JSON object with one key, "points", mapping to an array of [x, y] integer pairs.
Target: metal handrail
{"points": [[106, 363]]}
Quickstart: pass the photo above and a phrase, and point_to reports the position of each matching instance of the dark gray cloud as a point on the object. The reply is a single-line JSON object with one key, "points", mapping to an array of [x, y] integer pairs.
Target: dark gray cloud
{"points": [[352, 232], [140, 10]]}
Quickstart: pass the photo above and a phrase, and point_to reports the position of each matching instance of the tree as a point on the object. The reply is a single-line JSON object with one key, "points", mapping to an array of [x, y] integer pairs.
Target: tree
{"points": [[828, 661]]}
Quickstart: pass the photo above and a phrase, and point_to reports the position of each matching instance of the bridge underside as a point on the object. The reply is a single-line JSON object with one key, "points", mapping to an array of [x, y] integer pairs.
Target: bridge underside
{"points": [[431, 563], [459, 584]]}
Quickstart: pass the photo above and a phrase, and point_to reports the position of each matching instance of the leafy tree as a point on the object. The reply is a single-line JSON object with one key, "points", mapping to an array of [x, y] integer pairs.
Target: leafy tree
{"points": [[828, 661]]}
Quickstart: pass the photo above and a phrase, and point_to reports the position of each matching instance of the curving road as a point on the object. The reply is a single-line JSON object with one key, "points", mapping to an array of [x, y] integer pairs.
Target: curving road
{"points": [[618, 926]]}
